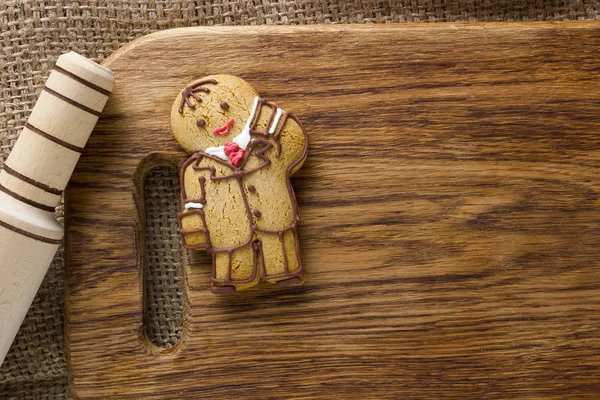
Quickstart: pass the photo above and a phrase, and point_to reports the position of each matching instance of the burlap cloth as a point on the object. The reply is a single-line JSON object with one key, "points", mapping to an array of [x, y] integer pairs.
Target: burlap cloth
{"points": [[34, 34]]}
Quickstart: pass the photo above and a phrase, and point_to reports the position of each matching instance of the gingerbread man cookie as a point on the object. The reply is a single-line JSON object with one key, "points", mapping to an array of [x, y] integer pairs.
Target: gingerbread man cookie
{"points": [[239, 204]]}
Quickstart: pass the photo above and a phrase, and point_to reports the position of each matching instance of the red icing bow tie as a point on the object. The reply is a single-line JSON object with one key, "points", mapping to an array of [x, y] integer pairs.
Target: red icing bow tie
{"points": [[234, 152]]}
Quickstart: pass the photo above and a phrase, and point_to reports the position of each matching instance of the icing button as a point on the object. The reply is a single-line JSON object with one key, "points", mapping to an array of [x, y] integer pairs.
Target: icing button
{"points": [[257, 213], [251, 188]]}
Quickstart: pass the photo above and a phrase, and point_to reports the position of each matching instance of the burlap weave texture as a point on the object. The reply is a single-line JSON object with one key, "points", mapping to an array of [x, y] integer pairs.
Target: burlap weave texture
{"points": [[32, 36]]}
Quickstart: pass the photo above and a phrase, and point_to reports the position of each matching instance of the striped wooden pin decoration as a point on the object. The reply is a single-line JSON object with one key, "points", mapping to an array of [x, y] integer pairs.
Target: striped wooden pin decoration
{"points": [[34, 177]]}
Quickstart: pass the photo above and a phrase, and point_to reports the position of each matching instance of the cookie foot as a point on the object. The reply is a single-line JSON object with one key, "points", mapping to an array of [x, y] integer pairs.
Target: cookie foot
{"points": [[290, 282], [222, 289]]}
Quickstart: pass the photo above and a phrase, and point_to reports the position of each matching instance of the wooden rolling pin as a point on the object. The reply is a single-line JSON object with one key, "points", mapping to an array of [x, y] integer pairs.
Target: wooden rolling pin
{"points": [[34, 177]]}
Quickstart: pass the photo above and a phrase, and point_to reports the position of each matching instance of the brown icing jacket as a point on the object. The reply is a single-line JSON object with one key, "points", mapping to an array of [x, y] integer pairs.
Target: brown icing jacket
{"points": [[257, 196]]}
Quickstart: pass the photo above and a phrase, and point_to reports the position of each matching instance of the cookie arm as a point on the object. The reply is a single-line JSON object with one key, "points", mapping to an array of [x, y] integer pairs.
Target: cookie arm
{"points": [[196, 173], [192, 221], [287, 132], [192, 228], [293, 127]]}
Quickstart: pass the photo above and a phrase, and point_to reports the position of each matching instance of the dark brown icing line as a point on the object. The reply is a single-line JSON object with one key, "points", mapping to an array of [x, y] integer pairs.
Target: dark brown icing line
{"points": [[286, 273], [54, 139], [202, 198], [82, 81], [71, 102], [191, 90], [277, 134], [29, 235], [238, 174], [26, 200], [237, 171], [262, 102], [196, 158], [286, 269], [253, 229], [32, 182], [204, 230], [294, 164], [202, 181]]}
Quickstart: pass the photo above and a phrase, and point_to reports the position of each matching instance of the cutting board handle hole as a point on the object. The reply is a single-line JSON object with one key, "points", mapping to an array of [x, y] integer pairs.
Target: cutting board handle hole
{"points": [[163, 272]]}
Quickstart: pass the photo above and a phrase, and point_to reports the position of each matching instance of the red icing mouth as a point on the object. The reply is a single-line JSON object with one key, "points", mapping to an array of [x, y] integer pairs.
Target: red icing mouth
{"points": [[224, 130]]}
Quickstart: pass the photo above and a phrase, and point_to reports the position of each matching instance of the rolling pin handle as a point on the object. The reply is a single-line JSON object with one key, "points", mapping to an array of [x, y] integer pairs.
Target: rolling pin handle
{"points": [[34, 177]]}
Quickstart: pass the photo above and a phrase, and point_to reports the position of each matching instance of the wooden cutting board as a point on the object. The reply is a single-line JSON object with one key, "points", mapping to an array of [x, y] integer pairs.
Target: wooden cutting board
{"points": [[450, 218]]}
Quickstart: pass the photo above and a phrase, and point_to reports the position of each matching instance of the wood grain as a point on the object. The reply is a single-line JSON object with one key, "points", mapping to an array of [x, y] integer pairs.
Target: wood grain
{"points": [[450, 214]]}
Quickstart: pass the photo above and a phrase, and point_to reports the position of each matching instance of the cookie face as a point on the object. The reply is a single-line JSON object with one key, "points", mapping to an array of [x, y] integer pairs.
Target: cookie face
{"points": [[208, 104], [238, 201]]}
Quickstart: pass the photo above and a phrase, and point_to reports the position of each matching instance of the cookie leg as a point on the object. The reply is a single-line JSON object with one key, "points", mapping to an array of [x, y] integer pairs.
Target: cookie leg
{"points": [[281, 258], [234, 270]]}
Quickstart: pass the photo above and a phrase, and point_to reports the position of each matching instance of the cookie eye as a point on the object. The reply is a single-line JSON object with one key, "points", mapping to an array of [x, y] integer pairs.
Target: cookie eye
{"points": [[224, 106], [201, 122]]}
